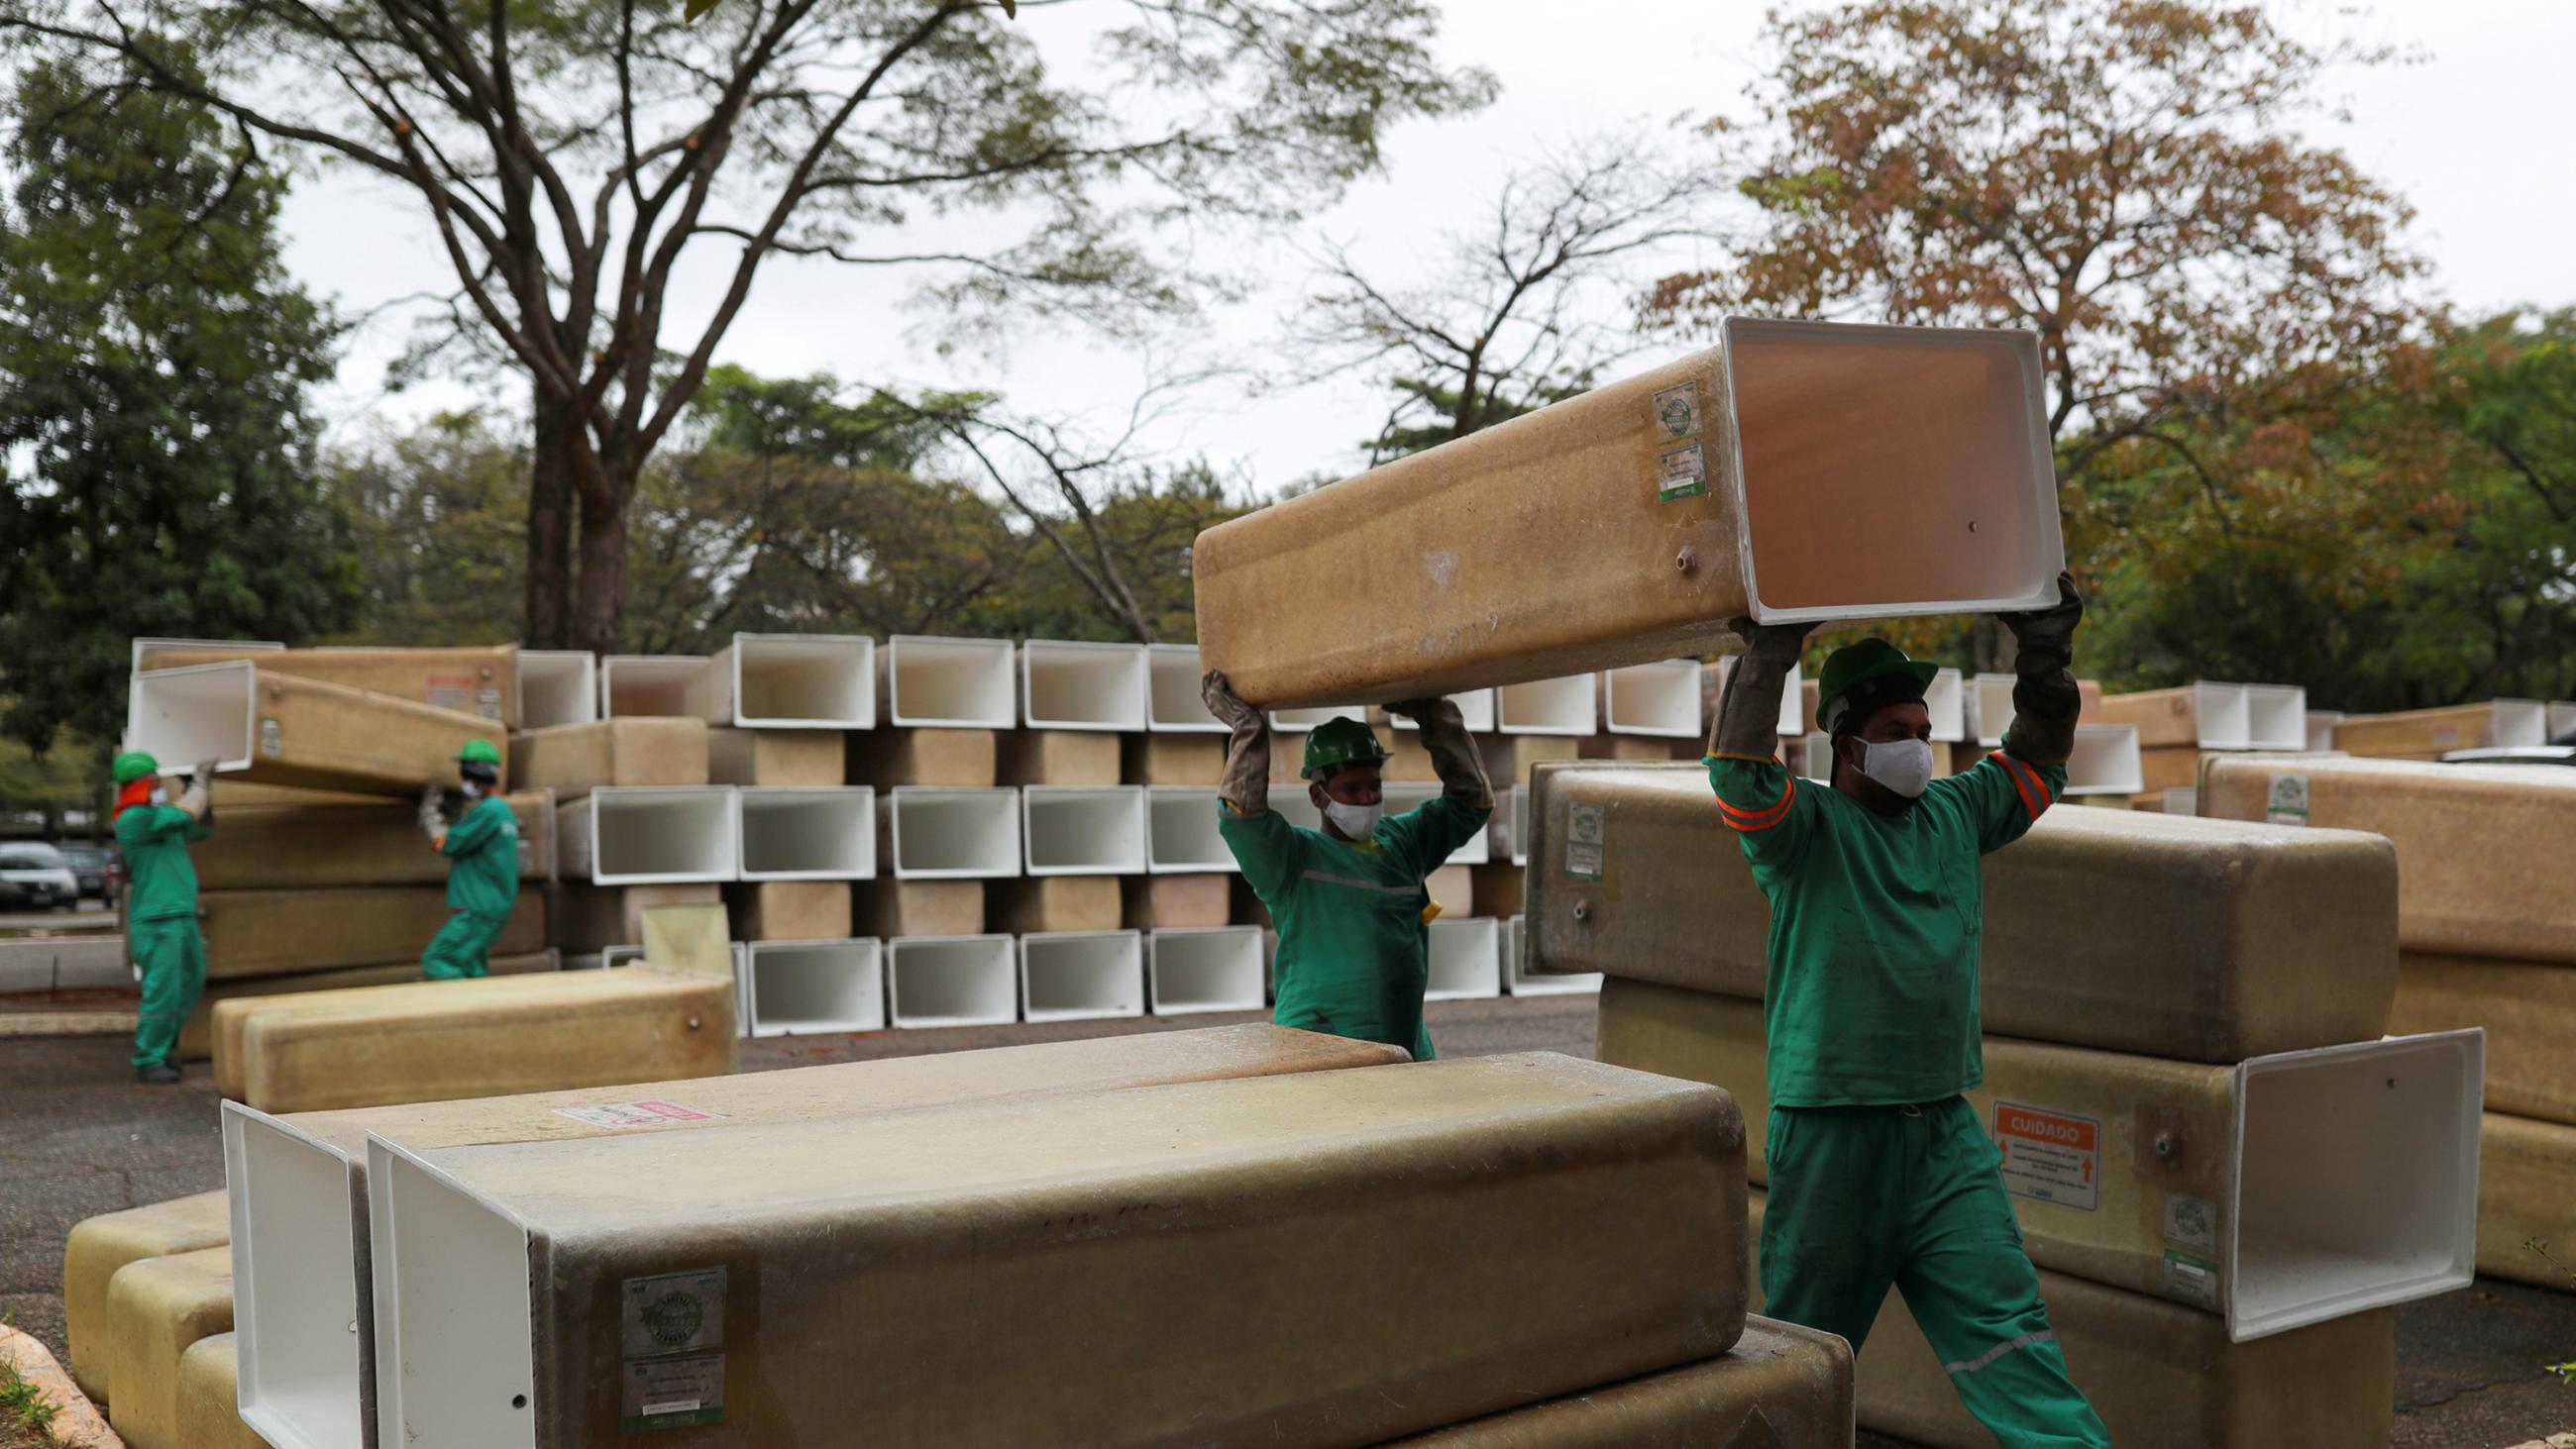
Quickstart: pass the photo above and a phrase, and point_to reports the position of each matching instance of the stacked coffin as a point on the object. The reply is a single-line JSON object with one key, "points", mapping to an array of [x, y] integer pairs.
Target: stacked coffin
{"points": [[316, 876], [2486, 926], [2195, 1104], [484, 1273], [2178, 728]]}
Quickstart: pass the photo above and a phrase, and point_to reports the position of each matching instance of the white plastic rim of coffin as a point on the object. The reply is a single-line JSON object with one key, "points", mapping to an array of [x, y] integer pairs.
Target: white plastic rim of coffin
{"points": [[951, 683], [146, 647], [805, 681], [1816, 756], [2322, 1226], [1992, 696], [1404, 795], [1522, 826], [2321, 728], [202, 712], [808, 832], [585, 961], [1294, 806], [1195, 969], [1521, 982], [2561, 719], [2276, 717], [452, 1306], [952, 981], [652, 835], [1073, 686], [557, 687], [1475, 711], [1181, 836], [1298, 721], [621, 956], [1568, 706], [2105, 761], [1466, 959], [295, 1283], [2521, 723], [793, 987], [1173, 701], [954, 834], [1082, 830], [1081, 975], [632, 685], [1945, 700], [2225, 715], [1662, 698], [2182, 800]]}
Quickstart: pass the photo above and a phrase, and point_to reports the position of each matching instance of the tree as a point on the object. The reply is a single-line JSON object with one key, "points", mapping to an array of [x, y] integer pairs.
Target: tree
{"points": [[574, 156], [441, 526], [2125, 178], [154, 424], [1513, 322]]}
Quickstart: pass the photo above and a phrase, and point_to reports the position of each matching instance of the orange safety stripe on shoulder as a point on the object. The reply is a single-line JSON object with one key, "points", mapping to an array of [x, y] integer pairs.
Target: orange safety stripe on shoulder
{"points": [[1748, 759], [2015, 771], [1749, 821]]}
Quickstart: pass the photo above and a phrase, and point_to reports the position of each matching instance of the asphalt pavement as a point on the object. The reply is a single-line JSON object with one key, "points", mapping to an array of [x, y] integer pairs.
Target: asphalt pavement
{"points": [[83, 1138]]}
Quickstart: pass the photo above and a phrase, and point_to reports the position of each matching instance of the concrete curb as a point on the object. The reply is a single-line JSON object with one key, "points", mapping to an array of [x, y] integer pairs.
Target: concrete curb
{"points": [[76, 1420]]}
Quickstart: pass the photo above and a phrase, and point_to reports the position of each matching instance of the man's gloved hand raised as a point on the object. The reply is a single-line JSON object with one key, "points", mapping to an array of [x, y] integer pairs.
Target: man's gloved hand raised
{"points": [[2045, 700], [433, 796], [1246, 781], [1454, 756], [1748, 714]]}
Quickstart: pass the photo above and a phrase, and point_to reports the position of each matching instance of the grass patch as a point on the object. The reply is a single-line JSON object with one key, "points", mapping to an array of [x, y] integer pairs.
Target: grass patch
{"points": [[26, 1416]]}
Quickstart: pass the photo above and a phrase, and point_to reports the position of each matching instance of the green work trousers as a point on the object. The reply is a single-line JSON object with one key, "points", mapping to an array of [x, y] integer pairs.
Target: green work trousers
{"points": [[462, 948], [173, 958], [1867, 1197]]}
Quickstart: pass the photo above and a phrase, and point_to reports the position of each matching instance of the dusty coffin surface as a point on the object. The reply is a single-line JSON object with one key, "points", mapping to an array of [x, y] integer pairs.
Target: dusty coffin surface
{"points": [[298, 1184], [770, 1258], [2163, 935], [197, 1034], [2262, 1192], [2160, 1375], [480, 682], [209, 1398], [2529, 1011], [375, 1045], [281, 847], [573, 760], [2523, 1195], [2482, 850], [277, 729], [283, 932], [1780, 1387], [98, 1246], [156, 1307], [1798, 471]]}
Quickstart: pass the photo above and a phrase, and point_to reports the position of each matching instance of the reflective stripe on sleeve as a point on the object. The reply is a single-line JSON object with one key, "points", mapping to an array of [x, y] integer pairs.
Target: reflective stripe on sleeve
{"points": [[1748, 821], [2027, 1340]]}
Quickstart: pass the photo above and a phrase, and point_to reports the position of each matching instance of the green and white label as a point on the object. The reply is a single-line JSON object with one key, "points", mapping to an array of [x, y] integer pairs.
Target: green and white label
{"points": [[2288, 802], [1677, 411], [1681, 472], [671, 1328], [2191, 1222], [1585, 829], [2192, 1280]]}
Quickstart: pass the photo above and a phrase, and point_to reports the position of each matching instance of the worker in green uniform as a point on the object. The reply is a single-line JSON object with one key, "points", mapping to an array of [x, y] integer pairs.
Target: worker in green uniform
{"points": [[161, 902], [483, 878], [1880, 1171], [1354, 919]]}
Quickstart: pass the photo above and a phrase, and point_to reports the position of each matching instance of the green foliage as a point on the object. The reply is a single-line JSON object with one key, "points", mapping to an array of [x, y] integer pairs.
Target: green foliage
{"points": [[154, 371], [1440, 405], [440, 520]]}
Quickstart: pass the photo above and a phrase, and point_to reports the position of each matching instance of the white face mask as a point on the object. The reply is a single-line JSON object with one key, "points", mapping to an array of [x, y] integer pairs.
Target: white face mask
{"points": [[1356, 821], [473, 789], [160, 796], [1904, 766]]}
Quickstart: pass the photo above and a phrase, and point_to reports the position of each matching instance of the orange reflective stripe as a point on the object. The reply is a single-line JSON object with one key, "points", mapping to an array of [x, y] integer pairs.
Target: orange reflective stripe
{"points": [[1737, 810], [2024, 791], [1748, 821]]}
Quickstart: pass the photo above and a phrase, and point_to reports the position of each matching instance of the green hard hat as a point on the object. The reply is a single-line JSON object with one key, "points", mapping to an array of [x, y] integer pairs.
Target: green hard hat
{"points": [[1339, 742], [1889, 676], [133, 765], [478, 752]]}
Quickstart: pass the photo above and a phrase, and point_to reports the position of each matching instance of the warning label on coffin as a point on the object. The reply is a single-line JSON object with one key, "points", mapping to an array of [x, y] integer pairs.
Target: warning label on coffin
{"points": [[636, 1114], [2051, 1156]]}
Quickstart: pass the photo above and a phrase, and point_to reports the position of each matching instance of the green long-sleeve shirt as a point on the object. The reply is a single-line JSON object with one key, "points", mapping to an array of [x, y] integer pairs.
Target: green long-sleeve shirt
{"points": [[484, 846], [1354, 950], [1871, 996], [160, 879]]}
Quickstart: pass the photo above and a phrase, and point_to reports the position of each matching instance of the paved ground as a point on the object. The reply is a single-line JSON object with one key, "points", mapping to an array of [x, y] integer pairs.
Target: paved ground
{"points": [[82, 1138]]}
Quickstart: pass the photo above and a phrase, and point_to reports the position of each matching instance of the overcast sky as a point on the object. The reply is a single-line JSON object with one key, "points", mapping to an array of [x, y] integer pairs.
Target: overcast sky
{"points": [[2475, 137]]}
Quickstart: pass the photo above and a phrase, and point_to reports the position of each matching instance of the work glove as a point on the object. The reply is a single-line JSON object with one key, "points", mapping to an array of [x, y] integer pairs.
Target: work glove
{"points": [[1748, 713], [1454, 756], [2045, 700], [433, 796], [1246, 781], [199, 801]]}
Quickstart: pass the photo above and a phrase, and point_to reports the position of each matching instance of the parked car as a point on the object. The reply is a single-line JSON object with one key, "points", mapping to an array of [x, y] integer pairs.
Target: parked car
{"points": [[95, 867], [34, 875]]}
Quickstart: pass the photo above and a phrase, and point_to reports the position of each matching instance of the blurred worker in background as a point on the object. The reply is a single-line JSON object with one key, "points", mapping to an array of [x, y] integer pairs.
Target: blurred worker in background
{"points": [[1354, 919], [1880, 1171], [483, 878], [161, 902]]}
